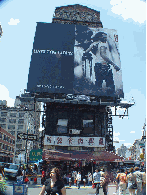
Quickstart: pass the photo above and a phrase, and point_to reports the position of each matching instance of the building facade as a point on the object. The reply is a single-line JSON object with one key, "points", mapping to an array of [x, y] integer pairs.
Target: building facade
{"points": [[7, 146], [20, 119], [77, 14]]}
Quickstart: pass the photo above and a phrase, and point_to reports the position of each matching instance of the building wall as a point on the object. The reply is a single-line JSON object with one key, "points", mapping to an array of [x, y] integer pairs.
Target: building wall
{"points": [[17, 120], [77, 14], [88, 120], [7, 145]]}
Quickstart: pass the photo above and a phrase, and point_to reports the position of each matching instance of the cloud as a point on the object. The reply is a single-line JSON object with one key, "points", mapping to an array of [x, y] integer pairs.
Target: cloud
{"points": [[134, 9], [128, 144], [13, 21], [115, 134], [4, 95], [116, 138], [132, 131]]}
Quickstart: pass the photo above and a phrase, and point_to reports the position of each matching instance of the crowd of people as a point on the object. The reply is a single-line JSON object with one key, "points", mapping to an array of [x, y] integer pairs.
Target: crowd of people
{"points": [[134, 180], [53, 180]]}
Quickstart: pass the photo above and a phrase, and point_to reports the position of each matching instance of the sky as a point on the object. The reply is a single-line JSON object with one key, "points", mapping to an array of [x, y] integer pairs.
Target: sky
{"points": [[18, 20]]}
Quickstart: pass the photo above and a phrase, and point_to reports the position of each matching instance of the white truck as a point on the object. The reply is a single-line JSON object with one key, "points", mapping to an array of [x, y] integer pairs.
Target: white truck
{"points": [[12, 171]]}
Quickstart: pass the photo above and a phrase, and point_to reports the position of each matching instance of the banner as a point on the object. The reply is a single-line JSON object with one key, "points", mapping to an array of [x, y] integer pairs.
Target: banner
{"points": [[74, 141]]}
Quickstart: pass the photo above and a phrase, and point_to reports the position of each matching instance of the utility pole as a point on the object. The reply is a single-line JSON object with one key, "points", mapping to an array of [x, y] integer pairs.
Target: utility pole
{"points": [[26, 160]]}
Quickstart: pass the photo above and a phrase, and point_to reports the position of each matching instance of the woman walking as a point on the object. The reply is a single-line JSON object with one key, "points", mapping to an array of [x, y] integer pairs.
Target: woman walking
{"points": [[54, 184], [122, 182]]}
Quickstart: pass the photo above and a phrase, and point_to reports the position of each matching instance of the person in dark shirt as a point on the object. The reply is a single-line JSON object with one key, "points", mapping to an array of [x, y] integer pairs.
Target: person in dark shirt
{"points": [[19, 172], [54, 184]]}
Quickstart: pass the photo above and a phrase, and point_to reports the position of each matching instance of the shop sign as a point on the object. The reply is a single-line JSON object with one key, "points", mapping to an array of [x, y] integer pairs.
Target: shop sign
{"points": [[74, 141], [36, 155]]}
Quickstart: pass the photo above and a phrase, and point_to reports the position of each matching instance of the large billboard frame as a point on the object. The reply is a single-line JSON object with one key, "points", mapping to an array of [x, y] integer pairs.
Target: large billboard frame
{"points": [[101, 77]]}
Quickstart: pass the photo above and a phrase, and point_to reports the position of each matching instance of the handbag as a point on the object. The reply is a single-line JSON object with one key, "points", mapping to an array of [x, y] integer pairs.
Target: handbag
{"points": [[134, 186]]}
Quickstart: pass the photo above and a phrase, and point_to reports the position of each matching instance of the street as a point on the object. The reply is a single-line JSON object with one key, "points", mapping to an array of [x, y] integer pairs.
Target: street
{"points": [[87, 190]]}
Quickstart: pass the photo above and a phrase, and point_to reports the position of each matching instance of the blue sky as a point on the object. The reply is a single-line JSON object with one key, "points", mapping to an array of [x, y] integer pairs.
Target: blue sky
{"points": [[18, 20]]}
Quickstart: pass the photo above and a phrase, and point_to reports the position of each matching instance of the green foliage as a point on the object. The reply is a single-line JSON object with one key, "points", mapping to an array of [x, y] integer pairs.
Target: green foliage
{"points": [[3, 185]]}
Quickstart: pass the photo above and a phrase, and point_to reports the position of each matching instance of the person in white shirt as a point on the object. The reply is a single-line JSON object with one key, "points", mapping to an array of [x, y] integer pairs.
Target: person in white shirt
{"points": [[138, 175], [89, 179], [96, 180], [79, 179]]}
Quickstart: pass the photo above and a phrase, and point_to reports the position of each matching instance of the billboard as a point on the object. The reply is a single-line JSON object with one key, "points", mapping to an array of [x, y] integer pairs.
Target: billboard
{"points": [[75, 59]]}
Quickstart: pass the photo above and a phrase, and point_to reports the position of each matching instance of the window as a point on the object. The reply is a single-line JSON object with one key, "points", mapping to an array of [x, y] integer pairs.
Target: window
{"points": [[4, 137], [21, 115], [3, 114], [18, 146], [20, 126], [2, 120], [12, 133], [88, 123], [12, 114], [62, 125], [11, 126], [20, 121], [3, 126], [12, 120]]}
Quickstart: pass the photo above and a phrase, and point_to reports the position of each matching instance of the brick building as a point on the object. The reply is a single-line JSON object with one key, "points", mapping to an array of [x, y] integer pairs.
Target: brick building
{"points": [[7, 144]]}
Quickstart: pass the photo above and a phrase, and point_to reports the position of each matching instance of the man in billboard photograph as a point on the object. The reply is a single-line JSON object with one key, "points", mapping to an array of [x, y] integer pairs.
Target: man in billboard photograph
{"points": [[99, 61]]}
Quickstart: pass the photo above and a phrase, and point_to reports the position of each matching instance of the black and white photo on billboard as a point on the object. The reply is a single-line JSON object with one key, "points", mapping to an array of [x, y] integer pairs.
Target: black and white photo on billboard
{"points": [[97, 66]]}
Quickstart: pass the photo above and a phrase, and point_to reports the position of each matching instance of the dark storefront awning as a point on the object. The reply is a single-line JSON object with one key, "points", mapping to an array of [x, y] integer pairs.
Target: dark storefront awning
{"points": [[80, 155], [107, 156]]}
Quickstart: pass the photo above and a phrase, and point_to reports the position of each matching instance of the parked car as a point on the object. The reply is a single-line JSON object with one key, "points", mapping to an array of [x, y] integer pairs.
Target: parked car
{"points": [[12, 171], [7, 165]]}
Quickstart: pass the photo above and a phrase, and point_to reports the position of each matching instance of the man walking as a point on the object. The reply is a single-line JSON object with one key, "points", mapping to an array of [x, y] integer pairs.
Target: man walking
{"points": [[96, 180], [79, 179]]}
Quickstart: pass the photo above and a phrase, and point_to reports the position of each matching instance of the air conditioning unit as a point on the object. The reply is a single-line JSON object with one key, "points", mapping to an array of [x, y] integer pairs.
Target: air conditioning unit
{"points": [[74, 131]]}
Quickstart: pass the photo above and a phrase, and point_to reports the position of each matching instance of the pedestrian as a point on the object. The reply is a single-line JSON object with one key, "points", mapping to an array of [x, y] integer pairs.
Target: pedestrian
{"points": [[89, 179], [122, 182], [139, 180], [117, 182], [96, 180], [131, 181], [43, 176], [75, 178], [144, 183], [78, 179], [69, 180], [54, 185], [105, 182], [19, 172]]}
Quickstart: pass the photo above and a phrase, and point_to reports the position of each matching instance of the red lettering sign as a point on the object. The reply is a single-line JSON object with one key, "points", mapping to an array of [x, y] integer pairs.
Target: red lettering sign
{"points": [[49, 139], [70, 140], [80, 141], [59, 140], [91, 141], [101, 141]]}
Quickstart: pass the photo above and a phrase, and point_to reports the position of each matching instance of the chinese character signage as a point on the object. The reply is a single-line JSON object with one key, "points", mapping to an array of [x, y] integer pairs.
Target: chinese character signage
{"points": [[74, 141], [36, 155]]}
